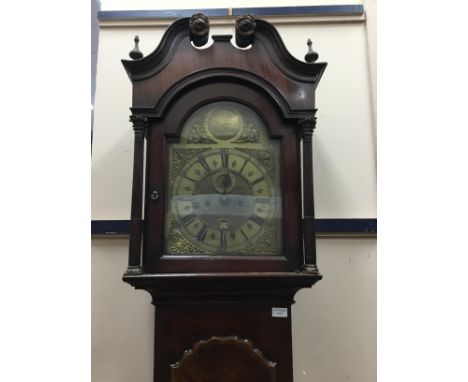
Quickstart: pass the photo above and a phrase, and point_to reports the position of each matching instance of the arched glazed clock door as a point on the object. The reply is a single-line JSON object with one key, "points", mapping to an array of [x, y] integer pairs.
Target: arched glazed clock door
{"points": [[227, 236], [232, 170]]}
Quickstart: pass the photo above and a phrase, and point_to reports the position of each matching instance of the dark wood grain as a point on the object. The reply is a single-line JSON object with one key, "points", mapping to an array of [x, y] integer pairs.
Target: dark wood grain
{"points": [[232, 287], [307, 126], [182, 326], [227, 359], [175, 61], [194, 307], [139, 126]]}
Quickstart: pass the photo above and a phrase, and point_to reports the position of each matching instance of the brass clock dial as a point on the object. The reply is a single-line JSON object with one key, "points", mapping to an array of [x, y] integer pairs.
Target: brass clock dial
{"points": [[224, 186], [222, 200]]}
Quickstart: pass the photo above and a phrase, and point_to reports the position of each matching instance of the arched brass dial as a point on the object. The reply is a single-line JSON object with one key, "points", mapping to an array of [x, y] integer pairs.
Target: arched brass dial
{"points": [[224, 190]]}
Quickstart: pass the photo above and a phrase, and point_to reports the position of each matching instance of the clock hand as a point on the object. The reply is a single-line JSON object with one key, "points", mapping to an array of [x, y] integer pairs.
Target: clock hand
{"points": [[226, 182]]}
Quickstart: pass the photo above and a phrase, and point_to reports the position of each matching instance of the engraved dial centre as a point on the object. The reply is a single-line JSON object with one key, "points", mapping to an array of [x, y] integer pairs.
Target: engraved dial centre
{"points": [[219, 203]]}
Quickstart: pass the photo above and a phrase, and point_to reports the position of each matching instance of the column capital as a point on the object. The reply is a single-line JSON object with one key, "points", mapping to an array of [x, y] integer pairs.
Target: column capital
{"points": [[307, 126], [139, 123]]}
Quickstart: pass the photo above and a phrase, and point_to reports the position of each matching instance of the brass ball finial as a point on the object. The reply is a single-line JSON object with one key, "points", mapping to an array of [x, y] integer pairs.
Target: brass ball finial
{"points": [[311, 56], [136, 53]]}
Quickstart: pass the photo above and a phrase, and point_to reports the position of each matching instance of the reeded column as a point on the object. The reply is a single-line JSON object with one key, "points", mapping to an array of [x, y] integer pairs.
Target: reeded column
{"points": [[136, 222], [307, 126]]}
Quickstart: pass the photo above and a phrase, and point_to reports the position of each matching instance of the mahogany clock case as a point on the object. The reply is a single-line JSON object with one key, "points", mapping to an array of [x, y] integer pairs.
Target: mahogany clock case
{"points": [[214, 311]]}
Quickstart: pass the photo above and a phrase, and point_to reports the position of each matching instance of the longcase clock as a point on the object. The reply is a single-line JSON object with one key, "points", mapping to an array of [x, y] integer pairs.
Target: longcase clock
{"points": [[227, 236]]}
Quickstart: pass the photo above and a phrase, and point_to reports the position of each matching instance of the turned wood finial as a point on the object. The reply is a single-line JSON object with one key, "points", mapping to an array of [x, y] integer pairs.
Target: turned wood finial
{"points": [[311, 56], [245, 30], [136, 53], [199, 29]]}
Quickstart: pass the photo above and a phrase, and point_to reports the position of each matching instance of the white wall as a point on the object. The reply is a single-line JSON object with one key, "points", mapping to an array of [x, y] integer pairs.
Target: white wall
{"points": [[334, 324], [122, 319]]}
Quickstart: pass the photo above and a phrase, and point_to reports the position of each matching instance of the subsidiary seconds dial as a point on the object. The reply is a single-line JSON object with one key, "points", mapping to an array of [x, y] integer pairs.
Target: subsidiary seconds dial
{"points": [[222, 200]]}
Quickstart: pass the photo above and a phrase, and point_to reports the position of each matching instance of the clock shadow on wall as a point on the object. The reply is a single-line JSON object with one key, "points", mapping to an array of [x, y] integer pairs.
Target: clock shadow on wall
{"points": [[226, 242]]}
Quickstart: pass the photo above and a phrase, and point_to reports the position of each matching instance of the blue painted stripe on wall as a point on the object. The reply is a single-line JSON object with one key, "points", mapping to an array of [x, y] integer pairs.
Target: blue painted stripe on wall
{"points": [[354, 9], [303, 10], [110, 227], [346, 225], [121, 227], [159, 14]]}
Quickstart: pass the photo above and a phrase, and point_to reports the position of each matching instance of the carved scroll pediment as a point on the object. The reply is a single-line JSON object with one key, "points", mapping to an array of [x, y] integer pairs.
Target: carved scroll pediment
{"points": [[227, 359], [266, 64]]}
